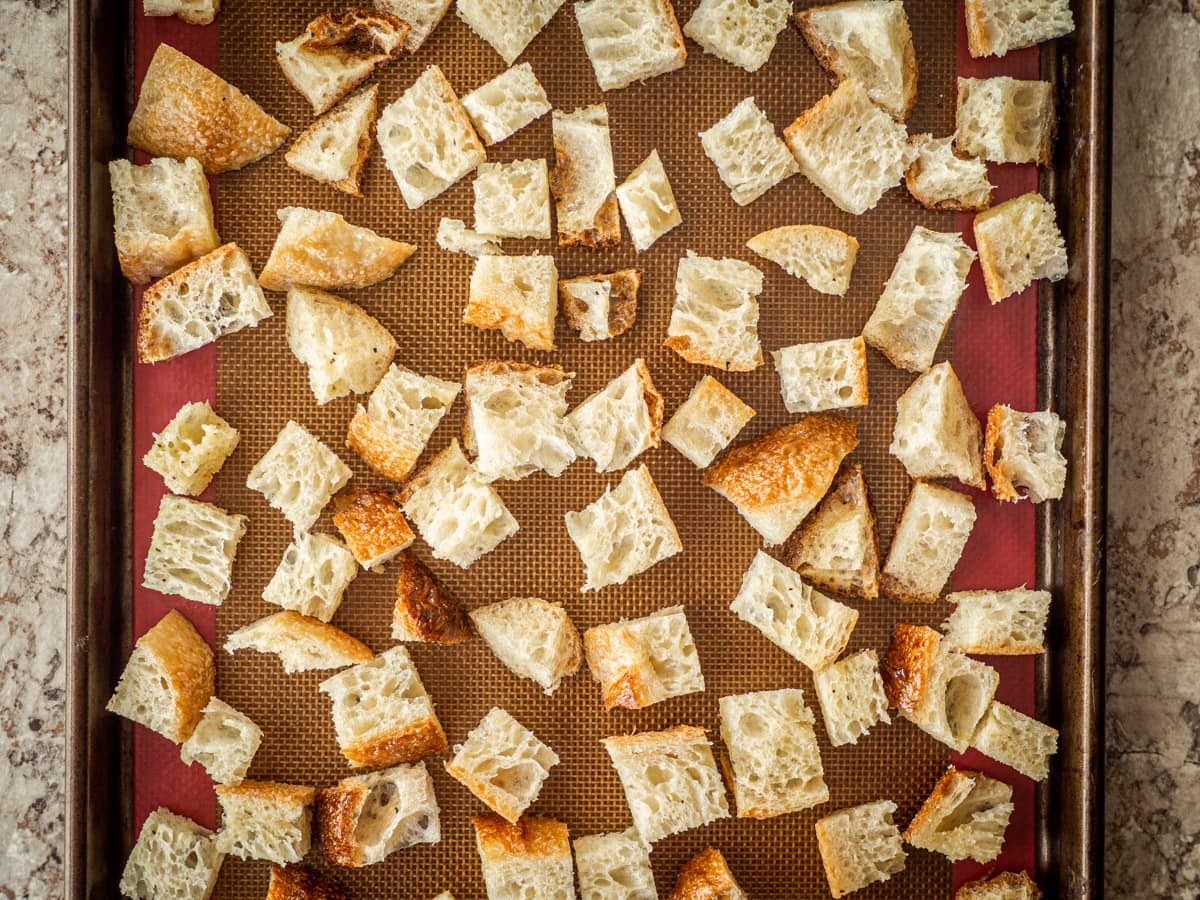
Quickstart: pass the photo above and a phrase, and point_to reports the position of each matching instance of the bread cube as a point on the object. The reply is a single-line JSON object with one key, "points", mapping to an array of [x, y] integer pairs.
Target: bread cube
{"points": [[965, 817], [506, 104], [749, 155], [192, 550], [774, 759], [372, 524], [828, 375], [503, 764], [312, 576], [1019, 243], [533, 638], [823, 257], [508, 25], [302, 643], [422, 17], [191, 449], [583, 182], [614, 867], [512, 200], [224, 743], [600, 307], [529, 858], [1023, 452], [706, 875], [836, 547], [860, 846], [706, 421], [648, 203], [715, 318], [630, 40], [298, 476], [617, 424], [194, 12], [996, 26], [936, 433], [265, 820], [940, 179], [345, 349], [365, 818], [1006, 120], [302, 883], [670, 779], [998, 623], [173, 857], [381, 713], [425, 611], [741, 32], [851, 695], [928, 542], [517, 295], [624, 531], [454, 236], [1015, 739], [644, 661], [1004, 886]]}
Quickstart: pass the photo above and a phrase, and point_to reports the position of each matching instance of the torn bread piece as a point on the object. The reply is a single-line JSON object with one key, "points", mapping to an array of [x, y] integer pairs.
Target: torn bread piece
{"points": [[620, 422], [996, 26], [320, 249], [173, 857], [644, 661], [706, 421], [749, 155], [648, 203], [823, 257], [741, 32], [940, 179], [1019, 243], [265, 820], [425, 611], [192, 550], [363, 819], [1004, 886], [1023, 452], [998, 623], [302, 883], [372, 524], [714, 321], [527, 858], [1015, 739], [334, 149], [345, 349], [422, 17], [1006, 120], [614, 866], [964, 817], [860, 846], [312, 577], [191, 449], [630, 40], [508, 25], [624, 531], [194, 12], [503, 764], [828, 375], [836, 547], [302, 643], [600, 307], [928, 541], [512, 200], [454, 236], [582, 181], [852, 698], [224, 743], [184, 110], [506, 104], [517, 295], [298, 475], [534, 638], [936, 433], [706, 876]]}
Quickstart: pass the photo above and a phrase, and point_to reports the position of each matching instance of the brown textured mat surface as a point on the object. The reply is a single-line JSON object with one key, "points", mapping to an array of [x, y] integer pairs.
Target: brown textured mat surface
{"points": [[261, 386]]}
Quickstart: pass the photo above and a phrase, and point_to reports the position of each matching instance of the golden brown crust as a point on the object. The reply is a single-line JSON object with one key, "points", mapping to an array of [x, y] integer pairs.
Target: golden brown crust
{"points": [[653, 739], [268, 792], [700, 355], [337, 813], [491, 310], [623, 288], [993, 454], [653, 400], [425, 610], [930, 812], [330, 253], [374, 444], [977, 41], [499, 840], [352, 183], [565, 177], [186, 660], [415, 742], [906, 667], [302, 883], [705, 876], [623, 688], [1017, 886], [186, 110], [948, 204], [501, 803], [371, 523], [328, 636]]}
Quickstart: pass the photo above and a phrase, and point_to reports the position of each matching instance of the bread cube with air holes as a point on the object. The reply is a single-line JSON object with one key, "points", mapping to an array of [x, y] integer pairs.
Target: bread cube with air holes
{"points": [[998, 623], [363, 819], [583, 181], [823, 376], [333, 150], [265, 820], [648, 203], [714, 321], [600, 306], [425, 610], [517, 295], [301, 642], [224, 743], [422, 17], [707, 421], [995, 27], [312, 577], [454, 236], [630, 40], [860, 846], [192, 550], [298, 475], [614, 866], [534, 638], [1004, 886], [1017, 740], [194, 12], [508, 25], [936, 433], [1023, 454], [191, 449], [512, 200], [345, 349], [527, 858], [173, 857], [506, 104], [964, 817], [741, 32], [620, 422], [822, 257], [1006, 120], [928, 542], [640, 662], [503, 764], [852, 698], [1019, 243], [372, 524], [749, 155], [940, 179]]}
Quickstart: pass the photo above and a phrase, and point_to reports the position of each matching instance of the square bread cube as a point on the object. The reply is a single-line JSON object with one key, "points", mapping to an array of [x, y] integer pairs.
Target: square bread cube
{"points": [[706, 421], [860, 846], [823, 257], [851, 695], [827, 375], [298, 476], [999, 623], [600, 307], [774, 760], [936, 433], [345, 349], [1004, 886], [749, 155], [1015, 739], [191, 449], [312, 576], [583, 182], [381, 712], [532, 637], [192, 550], [454, 236], [224, 743], [630, 40], [365, 818], [503, 764], [670, 779], [996, 26], [333, 150], [640, 662], [508, 25], [940, 179], [506, 104], [425, 611], [1019, 243], [707, 875], [301, 642], [620, 422], [715, 318], [964, 817], [741, 32], [265, 820], [173, 857], [1006, 120], [614, 866], [512, 200], [648, 203], [194, 12], [422, 17], [529, 858], [1023, 452], [928, 542], [372, 524], [624, 531], [517, 295]]}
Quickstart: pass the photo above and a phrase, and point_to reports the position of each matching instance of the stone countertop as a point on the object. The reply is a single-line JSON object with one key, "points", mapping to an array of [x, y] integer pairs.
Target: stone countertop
{"points": [[1153, 780]]}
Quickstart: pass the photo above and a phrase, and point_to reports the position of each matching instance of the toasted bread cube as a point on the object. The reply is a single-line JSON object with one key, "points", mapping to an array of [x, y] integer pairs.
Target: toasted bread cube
{"points": [[173, 857], [600, 307], [192, 550], [851, 695], [828, 375], [941, 179], [320, 249], [706, 876], [860, 846], [194, 12], [529, 858], [583, 182], [1023, 451], [741, 32], [936, 433], [167, 680], [617, 424], [298, 476], [836, 547], [372, 525], [715, 318], [508, 25], [533, 638], [1006, 120], [302, 643], [644, 661], [823, 257], [996, 26], [774, 759], [333, 150], [381, 713], [648, 203], [506, 104], [303, 883], [1005, 886], [749, 155], [312, 576], [454, 236], [503, 764], [928, 542], [512, 200], [191, 449], [624, 531], [517, 295], [706, 421], [427, 139], [345, 349], [1019, 243], [965, 817], [224, 743], [365, 818], [422, 17], [425, 611], [630, 40], [998, 623], [265, 820], [614, 867], [670, 779], [1015, 739]]}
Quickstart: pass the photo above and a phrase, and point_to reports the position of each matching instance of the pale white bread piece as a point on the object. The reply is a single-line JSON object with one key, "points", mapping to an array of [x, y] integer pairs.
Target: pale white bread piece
{"points": [[600, 306], [936, 433], [345, 348], [512, 200], [714, 321], [532, 637], [301, 642], [381, 713], [302, 883], [1004, 886], [836, 547], [998, 623], [425, 611], [1023, 453], [173, 857], [372, 524], [265, 820], [741, 32], [850, 692], [192, 550], [706, 876], [515, 422], [216, 295], [996, 26], [828, 375], [648, 203], [458, 513], [869, 41], [802, 622], [167, 680], [823, 257], [313, 576], [1006, 120], [1019, 242], [582, 181], [941, 179], [779, 478], [749, 155], [706, 421], [320, 249], [517, 295], [774, 761], [614, 866], [929, 539], [422, 17], [508, 25], [190, 450], [942, 692], [630, 40], [964, 817], [1015, 739], [503, 764], [670, 779], [860, 846], [298, 475], [624, 531], [644, 661], [194, 12], [506, 104], [224, 743], [391, 432], [454, 236], [334, 149], [427, 138], [162, 216], [365, 818], [620, 422], [919, 299], [527, 859]]}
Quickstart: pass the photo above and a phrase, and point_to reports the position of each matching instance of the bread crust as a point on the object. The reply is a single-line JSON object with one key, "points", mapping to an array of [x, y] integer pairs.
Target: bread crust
{"points": [[949, 204], [371, 523], [628, 690], [930, 812], [187, 661], [331, 253], [407, 745], [650, 740], [565, 180], [268, 792], [302, 883], [906, 668], [371, 441], [338, 809], [1015, 882], [850, 489], [352, 183], [997, 468], [424, 608], [499, 840], [623, 288], [705, 876]]}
